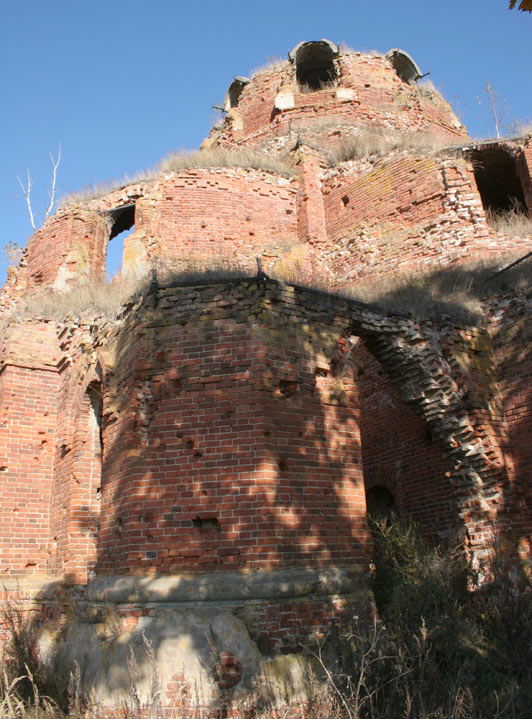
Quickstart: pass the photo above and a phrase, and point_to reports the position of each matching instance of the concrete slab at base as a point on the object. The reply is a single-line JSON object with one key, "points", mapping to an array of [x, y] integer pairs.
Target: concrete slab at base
{"points": [[222, 636]]}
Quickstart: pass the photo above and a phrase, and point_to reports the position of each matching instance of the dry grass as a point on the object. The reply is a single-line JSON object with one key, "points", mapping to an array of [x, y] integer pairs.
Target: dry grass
{"points": [[305, 89], [457, 291], [512, 222], [93, 192], [439, 651], [201, 268], [525, 129], [348, 50], [271, 63], [87, 299], [218, 157], [108, 299], [184, 160], [428, 89], [372, 142]]}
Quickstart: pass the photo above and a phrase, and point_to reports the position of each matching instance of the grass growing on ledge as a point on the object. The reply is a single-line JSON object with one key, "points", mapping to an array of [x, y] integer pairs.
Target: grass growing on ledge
{"points": [[185, 160], [372, 142], [218, 157], [457, 291], [107, 299]]}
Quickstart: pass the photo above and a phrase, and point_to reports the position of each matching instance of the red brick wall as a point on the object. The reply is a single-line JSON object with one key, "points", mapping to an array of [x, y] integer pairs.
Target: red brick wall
{"points": [[406, 213], [219, 213], [524, 168], [400, 454], [310, 210], [68, 248], [368, 93], [75, 500], [233, 449], [514, 374], [28, 401]]}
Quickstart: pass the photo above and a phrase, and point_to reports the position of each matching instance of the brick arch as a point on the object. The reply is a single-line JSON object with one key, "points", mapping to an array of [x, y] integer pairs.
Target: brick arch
{"points": [[314, 63], [382, 476], [424, 366], [398, 452]]}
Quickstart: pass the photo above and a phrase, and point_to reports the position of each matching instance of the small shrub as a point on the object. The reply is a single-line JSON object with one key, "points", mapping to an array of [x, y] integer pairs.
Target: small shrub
{"points": [[525, 129]]}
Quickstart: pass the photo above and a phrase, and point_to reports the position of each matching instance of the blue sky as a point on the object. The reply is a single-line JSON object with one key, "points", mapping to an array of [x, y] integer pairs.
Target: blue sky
{"points": [[120, 84]]}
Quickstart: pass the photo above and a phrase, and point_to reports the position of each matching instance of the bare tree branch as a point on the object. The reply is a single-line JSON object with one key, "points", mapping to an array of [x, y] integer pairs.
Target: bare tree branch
{"points": [[55, 165], [26, 189], [27, 195]]}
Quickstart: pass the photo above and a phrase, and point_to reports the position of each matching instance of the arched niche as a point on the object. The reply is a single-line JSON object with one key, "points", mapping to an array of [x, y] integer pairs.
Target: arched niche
{"points": [[233, 93], [380, 503], [403, 65], [314, 63], [497, 180]]}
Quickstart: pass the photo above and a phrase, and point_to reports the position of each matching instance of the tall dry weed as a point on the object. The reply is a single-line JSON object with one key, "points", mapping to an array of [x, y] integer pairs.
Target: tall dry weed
{"points": [[514, 221]]}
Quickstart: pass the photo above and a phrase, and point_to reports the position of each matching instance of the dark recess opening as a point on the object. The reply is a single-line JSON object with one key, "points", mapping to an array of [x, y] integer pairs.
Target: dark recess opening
{"points": [[123, 219], [380, 503], [315, 66], [207, 524], [94, 393], [497, 181]]}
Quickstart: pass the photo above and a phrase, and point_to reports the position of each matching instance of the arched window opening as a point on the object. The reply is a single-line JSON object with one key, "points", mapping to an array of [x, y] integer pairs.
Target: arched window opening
{"points": [[94, 396], [315, 66], [232, 95], [404, 65], [123, 225], [498, 182], [380, 503]]}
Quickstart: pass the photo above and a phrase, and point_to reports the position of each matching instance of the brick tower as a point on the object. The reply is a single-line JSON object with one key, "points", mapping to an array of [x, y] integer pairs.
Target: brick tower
{"points": [[195, 465]]}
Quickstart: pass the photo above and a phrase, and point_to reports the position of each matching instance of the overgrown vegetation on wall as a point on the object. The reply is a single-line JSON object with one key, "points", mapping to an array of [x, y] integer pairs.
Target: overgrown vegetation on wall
{"points": [[440, 650], [457, 291], [183, 160], [372, 142]]}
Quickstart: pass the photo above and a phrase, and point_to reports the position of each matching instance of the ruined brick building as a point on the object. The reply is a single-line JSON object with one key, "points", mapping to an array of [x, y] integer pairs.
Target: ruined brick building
{"points": [[198, 465]]}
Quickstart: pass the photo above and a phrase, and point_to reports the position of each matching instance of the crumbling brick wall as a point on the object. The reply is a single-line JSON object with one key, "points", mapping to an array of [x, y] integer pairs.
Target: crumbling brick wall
{"points": [[509, 317], [272, 109]]}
